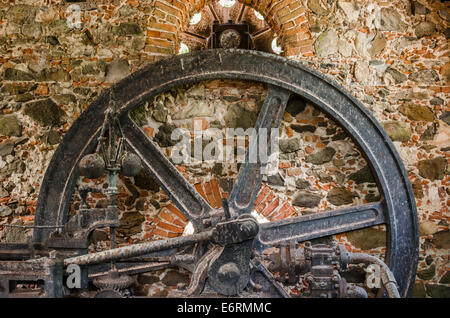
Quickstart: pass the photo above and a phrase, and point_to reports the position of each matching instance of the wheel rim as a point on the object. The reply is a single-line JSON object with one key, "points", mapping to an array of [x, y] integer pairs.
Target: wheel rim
{"points": [[399, 209]]}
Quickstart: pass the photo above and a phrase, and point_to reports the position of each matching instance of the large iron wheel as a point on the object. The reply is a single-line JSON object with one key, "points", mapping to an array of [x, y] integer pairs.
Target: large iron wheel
{"points": [[284, 77]]}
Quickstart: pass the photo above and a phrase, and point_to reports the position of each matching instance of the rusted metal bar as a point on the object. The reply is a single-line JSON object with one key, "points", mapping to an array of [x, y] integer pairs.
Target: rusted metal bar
{"points": [[180, 191], [138, 249], [249, 178], [308, 227], [128, 268], [387, 277]]}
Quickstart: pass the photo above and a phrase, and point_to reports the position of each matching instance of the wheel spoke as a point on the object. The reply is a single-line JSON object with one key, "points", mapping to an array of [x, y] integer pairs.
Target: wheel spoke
{"points": [[307, 227], [179, 190], [250, 174]]}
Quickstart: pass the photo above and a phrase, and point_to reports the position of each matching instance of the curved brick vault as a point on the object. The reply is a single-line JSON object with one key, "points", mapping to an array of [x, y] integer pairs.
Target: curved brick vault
{"points": [[287, 18]]}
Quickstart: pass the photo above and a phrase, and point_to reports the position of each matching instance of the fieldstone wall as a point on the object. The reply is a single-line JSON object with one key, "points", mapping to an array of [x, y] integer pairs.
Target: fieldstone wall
{"points": [[393, 56]]}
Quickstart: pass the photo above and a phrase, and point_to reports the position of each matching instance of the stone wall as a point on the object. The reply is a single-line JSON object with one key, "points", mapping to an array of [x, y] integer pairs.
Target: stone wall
{"points": [[392, 56]]}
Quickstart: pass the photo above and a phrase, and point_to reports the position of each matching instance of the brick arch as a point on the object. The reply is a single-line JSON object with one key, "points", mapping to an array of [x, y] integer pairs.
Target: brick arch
{"points": [[287, 18]]}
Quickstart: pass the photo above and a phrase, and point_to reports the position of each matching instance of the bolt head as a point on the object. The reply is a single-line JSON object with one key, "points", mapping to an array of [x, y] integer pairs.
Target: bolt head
{"points": [[229, 273]]}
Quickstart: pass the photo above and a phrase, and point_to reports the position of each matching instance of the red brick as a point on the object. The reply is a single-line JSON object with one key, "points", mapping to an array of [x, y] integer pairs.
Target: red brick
{"points": [[216, 192], [271, 207], [262, 194], [199, 188], [170, 227], [172, 208]]}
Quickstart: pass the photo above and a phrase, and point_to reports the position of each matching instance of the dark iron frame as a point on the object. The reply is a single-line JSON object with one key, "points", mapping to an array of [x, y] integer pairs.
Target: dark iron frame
{"points": [[397, 208]]}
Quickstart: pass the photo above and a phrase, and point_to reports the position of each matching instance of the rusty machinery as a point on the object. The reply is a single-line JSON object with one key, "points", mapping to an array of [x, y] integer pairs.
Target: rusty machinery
{"points": [[225, 253]]}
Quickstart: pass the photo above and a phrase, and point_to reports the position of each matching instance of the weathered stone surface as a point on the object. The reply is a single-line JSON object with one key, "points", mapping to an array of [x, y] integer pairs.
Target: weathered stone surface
{"points": [[147, 278], [362, 72], [417, 112], [445, 279], [6, 148], [275, 179], [340, 196], [15, 235], [130, 223], [447, 33], [12, 89], [303, 128], [128, 28], [363, 43], [418, 8], [53, 40], [12, 74], [429, 260], [237, 116], [428, 273], [91, 69], [155, 204], [21, 13], [377, 45], [445, 117], [58, 27], [397, 130], [10, 126], [140, 204], [160, 113], [396, 75], [5, 211], [326, 44], [164, 135], [139, 115], [99, 235], [425, 28], [88, 38], [446, 71], [52, 137], [437, 291], [367, 239], [319, 7], [418, 290], [350, 9], [372, 197], [389, 19], [54, 75], [295, 106], [307, 199], [144, 181], [31, 30], [444, 14], [23, 98], [65, 99], [427, 228], [45, 112], [321, 157], [325, 177], [340, 136], [173, 278], [425, 76], [418, 189], [432, 169], [442, 239], [344, 48], [289, 145], [430, 132], [116, 71], [302, 184]]}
